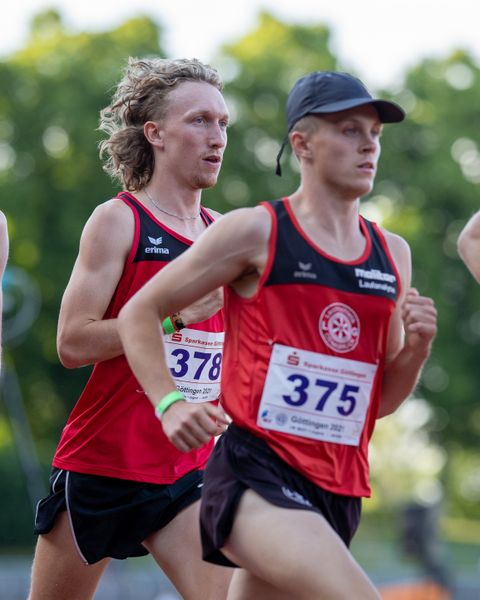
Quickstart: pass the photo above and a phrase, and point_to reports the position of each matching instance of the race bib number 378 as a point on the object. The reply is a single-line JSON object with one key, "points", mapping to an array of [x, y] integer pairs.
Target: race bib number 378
{"points": [[195, 361], [315, 395]]}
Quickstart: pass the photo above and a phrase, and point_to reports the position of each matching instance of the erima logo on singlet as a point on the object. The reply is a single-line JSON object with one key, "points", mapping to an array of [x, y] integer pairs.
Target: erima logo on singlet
{"points": [[304, 272], [155, 241], [155, 249]]}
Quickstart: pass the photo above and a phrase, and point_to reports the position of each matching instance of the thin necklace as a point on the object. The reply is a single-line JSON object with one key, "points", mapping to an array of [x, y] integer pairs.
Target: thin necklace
{"points": [[170, 213]]}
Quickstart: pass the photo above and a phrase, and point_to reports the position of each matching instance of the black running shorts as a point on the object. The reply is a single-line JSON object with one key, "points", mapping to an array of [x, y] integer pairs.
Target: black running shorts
{"points": [[112, 517], [241, 461]]}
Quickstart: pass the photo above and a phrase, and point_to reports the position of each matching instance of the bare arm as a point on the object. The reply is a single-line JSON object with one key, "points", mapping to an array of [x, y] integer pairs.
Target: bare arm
{"points": [[469, 245], [83, 336], [3, 262], [412, 330], [227, 253]]}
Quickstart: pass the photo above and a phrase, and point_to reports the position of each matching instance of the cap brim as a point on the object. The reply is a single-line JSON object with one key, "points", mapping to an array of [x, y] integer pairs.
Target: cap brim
{"points": [[389, 112]]}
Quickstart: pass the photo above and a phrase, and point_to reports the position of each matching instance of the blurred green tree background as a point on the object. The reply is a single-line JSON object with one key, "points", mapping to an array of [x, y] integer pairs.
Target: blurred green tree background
{"points": [[427, 186]]}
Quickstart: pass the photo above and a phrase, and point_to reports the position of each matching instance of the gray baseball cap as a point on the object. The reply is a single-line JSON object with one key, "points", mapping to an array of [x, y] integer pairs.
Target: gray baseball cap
{"points": [[324, 92]]}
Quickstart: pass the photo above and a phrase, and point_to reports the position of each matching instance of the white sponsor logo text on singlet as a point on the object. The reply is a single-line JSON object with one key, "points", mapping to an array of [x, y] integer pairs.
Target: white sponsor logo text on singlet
{"points": [[195, 362], [315, 395]]}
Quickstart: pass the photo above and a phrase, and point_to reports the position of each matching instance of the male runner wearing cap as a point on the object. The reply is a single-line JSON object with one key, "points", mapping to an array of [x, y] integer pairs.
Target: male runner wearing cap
{"points": [[469, 245], [317, 302]]}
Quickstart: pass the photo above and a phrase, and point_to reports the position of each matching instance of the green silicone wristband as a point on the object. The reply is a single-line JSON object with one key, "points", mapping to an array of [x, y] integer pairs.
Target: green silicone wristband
{"points": [[167, 401], [168, 326]]}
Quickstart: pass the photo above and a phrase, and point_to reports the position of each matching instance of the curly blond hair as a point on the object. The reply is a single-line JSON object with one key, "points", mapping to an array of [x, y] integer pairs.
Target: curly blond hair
{"points": [[141, 96]]}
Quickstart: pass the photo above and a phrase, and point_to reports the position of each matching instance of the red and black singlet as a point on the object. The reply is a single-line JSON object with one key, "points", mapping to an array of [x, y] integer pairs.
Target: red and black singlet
{"points": [[112, 430], [304, 357]]}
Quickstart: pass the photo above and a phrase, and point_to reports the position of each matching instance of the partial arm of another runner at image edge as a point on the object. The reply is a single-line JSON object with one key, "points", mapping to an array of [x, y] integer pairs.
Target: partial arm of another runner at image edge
{"points": [[412, 330], [469, 245], [3, 263], [230, 251], [84, 336]]}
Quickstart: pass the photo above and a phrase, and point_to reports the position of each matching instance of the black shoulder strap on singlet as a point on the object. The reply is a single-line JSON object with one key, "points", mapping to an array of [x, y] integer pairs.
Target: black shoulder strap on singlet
{"points": [[206, 218], [130, 198], [278, 206]]}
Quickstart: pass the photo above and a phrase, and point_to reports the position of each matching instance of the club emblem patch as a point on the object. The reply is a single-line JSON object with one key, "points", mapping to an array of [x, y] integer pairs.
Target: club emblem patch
{"points": [[339, 327]]}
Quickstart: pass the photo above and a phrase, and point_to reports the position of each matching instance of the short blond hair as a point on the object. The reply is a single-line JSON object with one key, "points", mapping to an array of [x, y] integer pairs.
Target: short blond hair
{"points": [[307, 124]]}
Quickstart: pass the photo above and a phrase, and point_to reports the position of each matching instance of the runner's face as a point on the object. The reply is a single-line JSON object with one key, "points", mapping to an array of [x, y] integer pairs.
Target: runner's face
{"points": [[346, 148], [195, 133]]}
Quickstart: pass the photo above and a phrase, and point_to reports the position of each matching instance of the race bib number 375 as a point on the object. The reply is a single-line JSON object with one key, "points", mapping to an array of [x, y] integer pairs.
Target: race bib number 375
{"points": [[315, 395]]}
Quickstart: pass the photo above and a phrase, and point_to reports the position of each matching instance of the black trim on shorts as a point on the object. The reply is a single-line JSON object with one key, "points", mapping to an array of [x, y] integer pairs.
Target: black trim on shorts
{"points": [[242, 461], [111, 517]]}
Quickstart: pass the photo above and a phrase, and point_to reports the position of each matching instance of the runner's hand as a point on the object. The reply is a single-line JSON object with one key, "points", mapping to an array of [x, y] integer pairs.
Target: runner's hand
{"points": [[420, 321], [190, 425]]}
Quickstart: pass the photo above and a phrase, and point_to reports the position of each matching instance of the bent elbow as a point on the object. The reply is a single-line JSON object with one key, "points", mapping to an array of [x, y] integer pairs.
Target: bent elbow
{"points": [[67, 353], [469, 257], [462, 246], [67, 358]]}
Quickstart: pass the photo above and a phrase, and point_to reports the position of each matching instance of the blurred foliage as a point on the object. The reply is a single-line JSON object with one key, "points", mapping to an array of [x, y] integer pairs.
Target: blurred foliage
{"points": [[430, 179], [259, 70], [427, 186], [51, 179]]}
